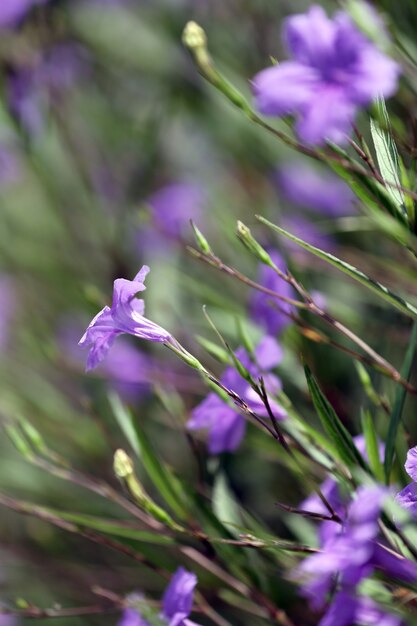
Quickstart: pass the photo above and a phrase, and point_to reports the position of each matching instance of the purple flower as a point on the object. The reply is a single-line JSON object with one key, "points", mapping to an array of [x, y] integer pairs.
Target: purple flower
{"points": [[267, 311], [313, 189], [177, 603], [354, 553], [225, 425], [347, 609], [32, 86], [307, 231], [174, 205], [334, 70], [12, 11], [124, 316], [407, 498]]}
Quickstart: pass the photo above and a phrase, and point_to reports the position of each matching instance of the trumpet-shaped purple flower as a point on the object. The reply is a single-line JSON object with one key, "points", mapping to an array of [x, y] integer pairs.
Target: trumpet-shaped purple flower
{"points": [[314, 189], [225, 424], [407, 498], [124, 316], [354, 553], [334, 70], [177, 603], [269, 312]]}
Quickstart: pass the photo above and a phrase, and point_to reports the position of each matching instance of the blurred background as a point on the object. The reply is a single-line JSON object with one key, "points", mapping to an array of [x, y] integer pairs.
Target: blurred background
{"points": [[110, 142]]}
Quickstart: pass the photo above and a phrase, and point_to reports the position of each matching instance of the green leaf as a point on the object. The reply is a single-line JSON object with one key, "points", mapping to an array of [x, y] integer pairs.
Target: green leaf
{"points": [[387, 155], [166, 484], [225, 506], [220, 354], [340, 437], [382, 291], [372, 448], [397, 410], [113, 527]]}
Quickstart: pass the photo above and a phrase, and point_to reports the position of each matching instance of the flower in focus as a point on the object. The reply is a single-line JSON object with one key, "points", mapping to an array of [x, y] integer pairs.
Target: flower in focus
{"points": [[354, 552], [124, 316], [269, 312], [177, 603], [225, 424], [407, 498], [313, 189], [334, 70], [12, 11]]}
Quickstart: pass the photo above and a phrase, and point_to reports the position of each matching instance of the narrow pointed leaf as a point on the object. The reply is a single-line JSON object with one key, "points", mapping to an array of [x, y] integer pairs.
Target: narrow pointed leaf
{"points": [[166, 484], [372, 448], [397, 410], [382, 291], [340, 437]]}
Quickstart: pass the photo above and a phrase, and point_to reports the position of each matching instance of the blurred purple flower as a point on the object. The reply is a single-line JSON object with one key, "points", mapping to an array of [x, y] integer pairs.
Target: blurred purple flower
{"points": [[334, 70], [307, 231], [407, 498], [337, 500], [174, 205], [347, 609], [354, 553], [124, 316], [31, 87], [225, 424], [267, 311], [313, 189], [8, 305], [177, 602], [12, 11]]}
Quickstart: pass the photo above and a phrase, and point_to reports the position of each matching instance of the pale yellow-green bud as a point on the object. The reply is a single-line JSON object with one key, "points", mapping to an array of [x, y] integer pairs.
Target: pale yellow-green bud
{"points": [[194, 36], [122, 464]]}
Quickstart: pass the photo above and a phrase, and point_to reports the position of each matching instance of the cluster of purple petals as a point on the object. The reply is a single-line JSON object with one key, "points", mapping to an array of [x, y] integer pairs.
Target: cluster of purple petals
{"points": [[333, 71], [350, 555], [314, 189], [407, 498], [271, 313], [177, 603], [126, 315], [225, 425]]}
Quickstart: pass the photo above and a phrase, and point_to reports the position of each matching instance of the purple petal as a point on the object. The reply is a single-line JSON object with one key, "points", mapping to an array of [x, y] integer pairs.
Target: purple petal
{"points": [[178, 596], [315, 189], [131, 617], [396, 567], [411, 463], [284, 88], [342, 611], [268, 353], [226, 432], [407, 498], [310, 37], [328, 116]]}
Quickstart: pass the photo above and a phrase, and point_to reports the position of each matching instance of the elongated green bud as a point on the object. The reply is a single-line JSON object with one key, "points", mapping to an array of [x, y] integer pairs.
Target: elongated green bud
{"points": [[124, 470], [252, 245]]}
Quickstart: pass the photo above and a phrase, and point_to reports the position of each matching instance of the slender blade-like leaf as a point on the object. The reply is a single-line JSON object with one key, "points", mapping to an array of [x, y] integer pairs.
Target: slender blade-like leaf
{"points": [[163, 480], [397, 410], [382, 291], [372, 447], [340, 437]]}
